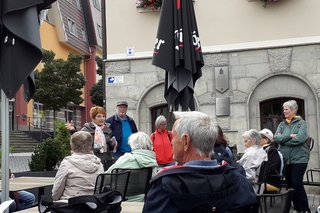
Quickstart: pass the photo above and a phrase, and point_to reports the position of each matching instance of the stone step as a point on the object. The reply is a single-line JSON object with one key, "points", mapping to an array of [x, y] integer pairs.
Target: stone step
{"points": [[21, 142]]}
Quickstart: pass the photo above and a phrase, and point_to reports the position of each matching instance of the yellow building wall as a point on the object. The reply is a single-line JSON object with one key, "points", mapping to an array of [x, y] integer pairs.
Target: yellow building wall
{"points": [[50, 41]]}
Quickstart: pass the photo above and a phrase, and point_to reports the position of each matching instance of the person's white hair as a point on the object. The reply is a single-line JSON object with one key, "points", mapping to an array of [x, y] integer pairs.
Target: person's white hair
{"points": [[140, 140], [160, 119], [252, 134], [292, 104], [202, 130]]}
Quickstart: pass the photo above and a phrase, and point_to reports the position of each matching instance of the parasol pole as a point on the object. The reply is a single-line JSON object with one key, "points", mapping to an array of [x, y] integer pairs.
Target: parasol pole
{"points": [[4, 147]]}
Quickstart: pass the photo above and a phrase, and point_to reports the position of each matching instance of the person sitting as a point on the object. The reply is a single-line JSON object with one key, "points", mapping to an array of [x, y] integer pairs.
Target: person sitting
{"points": [[141, 156], [221, 150], [77, 173], [253, 156], [161, 139], [273, 165], [21, 199], [197, 184]]}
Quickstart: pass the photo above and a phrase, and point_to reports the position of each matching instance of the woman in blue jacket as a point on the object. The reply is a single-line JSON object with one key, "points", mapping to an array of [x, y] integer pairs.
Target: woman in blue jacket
{"points": [[291, 135]]}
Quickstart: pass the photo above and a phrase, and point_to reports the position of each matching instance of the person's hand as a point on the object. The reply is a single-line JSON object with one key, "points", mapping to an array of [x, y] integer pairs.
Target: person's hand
{"points": [[114, 143], [70, 125]]}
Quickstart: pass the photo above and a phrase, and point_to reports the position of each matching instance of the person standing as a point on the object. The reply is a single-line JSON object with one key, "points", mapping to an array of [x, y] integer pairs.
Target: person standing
{"points": [[291, 135], [161, 139], [102, 135], [122, 127], [103, 144]]}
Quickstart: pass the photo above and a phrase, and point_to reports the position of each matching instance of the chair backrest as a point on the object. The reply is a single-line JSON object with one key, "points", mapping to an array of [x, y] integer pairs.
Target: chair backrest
{"points": [[281, 203], [112, 181], [138, 181]]}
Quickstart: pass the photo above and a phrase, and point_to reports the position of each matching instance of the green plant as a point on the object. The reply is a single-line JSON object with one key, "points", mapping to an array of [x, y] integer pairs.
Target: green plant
{"points": [[48, 155]]}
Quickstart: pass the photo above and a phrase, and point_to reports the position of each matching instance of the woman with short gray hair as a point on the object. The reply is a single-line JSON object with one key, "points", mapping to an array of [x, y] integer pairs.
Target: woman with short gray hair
{"points": [[291, 135], [77, 173], [253, 156], [161, 140]]}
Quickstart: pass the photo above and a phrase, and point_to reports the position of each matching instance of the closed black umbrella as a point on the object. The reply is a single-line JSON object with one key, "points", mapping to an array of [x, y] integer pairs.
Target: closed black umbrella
{"points": [[178, 52], [20, 52], [20, 47]]}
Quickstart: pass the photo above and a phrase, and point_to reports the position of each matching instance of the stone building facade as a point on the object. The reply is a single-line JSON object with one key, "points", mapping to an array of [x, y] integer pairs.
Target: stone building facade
{"points": [[251, 80]]}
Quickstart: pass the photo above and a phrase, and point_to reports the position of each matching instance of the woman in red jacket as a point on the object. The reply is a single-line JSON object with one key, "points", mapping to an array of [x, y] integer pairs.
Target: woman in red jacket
{"points": [[161, 139]]}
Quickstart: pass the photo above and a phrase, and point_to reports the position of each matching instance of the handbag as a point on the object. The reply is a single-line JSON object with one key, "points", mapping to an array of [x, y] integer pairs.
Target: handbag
{"points": [[107, 202]]}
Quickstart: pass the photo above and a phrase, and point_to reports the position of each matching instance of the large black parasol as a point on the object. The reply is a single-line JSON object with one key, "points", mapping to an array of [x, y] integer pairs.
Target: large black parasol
{"points": [[20, 52], [20, 47], [178, 52]]}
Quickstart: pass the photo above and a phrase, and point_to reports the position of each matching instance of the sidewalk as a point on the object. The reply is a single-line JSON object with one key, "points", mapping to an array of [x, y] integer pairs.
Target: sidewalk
{"points": [[19, 162]]}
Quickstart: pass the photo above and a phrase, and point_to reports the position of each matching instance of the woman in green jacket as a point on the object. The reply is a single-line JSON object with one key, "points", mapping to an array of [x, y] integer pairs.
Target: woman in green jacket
{"points": [[291, 135]]}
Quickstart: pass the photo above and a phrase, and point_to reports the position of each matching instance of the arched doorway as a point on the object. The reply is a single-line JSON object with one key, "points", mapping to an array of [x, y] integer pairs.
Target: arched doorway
{"points": [[271, 111], [277, 89], [161, 110]]}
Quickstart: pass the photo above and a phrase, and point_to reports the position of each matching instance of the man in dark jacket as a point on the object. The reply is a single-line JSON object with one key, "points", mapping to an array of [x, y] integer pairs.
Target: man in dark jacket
{"points": [[199, 184], [122, 127]]}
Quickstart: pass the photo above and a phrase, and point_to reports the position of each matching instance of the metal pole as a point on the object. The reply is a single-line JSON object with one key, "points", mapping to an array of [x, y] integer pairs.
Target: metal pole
{"points": [[5, 144], [104, 49]]}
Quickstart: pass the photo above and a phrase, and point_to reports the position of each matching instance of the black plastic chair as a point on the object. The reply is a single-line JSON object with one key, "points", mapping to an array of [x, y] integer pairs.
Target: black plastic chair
{"points": [[138, 181], [112, 181], [281, 204]]}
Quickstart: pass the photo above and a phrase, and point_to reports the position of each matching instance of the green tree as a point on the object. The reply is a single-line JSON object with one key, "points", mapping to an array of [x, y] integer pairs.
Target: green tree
{"points": [[96, 91], [59, 82]]}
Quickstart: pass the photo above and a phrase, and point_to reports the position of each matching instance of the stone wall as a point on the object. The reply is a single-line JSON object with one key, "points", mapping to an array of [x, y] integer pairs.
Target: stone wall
{"points": [[253, 76]]}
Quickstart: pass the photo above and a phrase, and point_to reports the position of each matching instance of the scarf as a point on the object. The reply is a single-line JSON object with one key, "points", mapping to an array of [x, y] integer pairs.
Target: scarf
{"points": [[99, 139]]}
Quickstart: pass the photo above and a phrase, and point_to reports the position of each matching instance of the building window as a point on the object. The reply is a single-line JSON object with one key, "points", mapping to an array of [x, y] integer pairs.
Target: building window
{"points": [[97, 4], [72, 27], [100, 31], [84, 35], [69, 115], [38, 115], [78, 4]]}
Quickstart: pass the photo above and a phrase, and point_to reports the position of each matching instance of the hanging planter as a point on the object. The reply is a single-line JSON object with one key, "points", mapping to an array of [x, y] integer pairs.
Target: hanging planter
{"points": [[149, 4]]}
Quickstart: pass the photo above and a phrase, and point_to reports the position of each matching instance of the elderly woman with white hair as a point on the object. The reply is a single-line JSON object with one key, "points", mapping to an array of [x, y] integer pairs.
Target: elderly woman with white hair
{"points": [[291, 135], [141, 156], [77, 173], [253, 156]]}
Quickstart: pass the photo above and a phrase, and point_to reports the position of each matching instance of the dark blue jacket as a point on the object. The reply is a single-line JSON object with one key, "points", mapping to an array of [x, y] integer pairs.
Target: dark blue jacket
{"points": [[116, 127], [196, 189]]}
